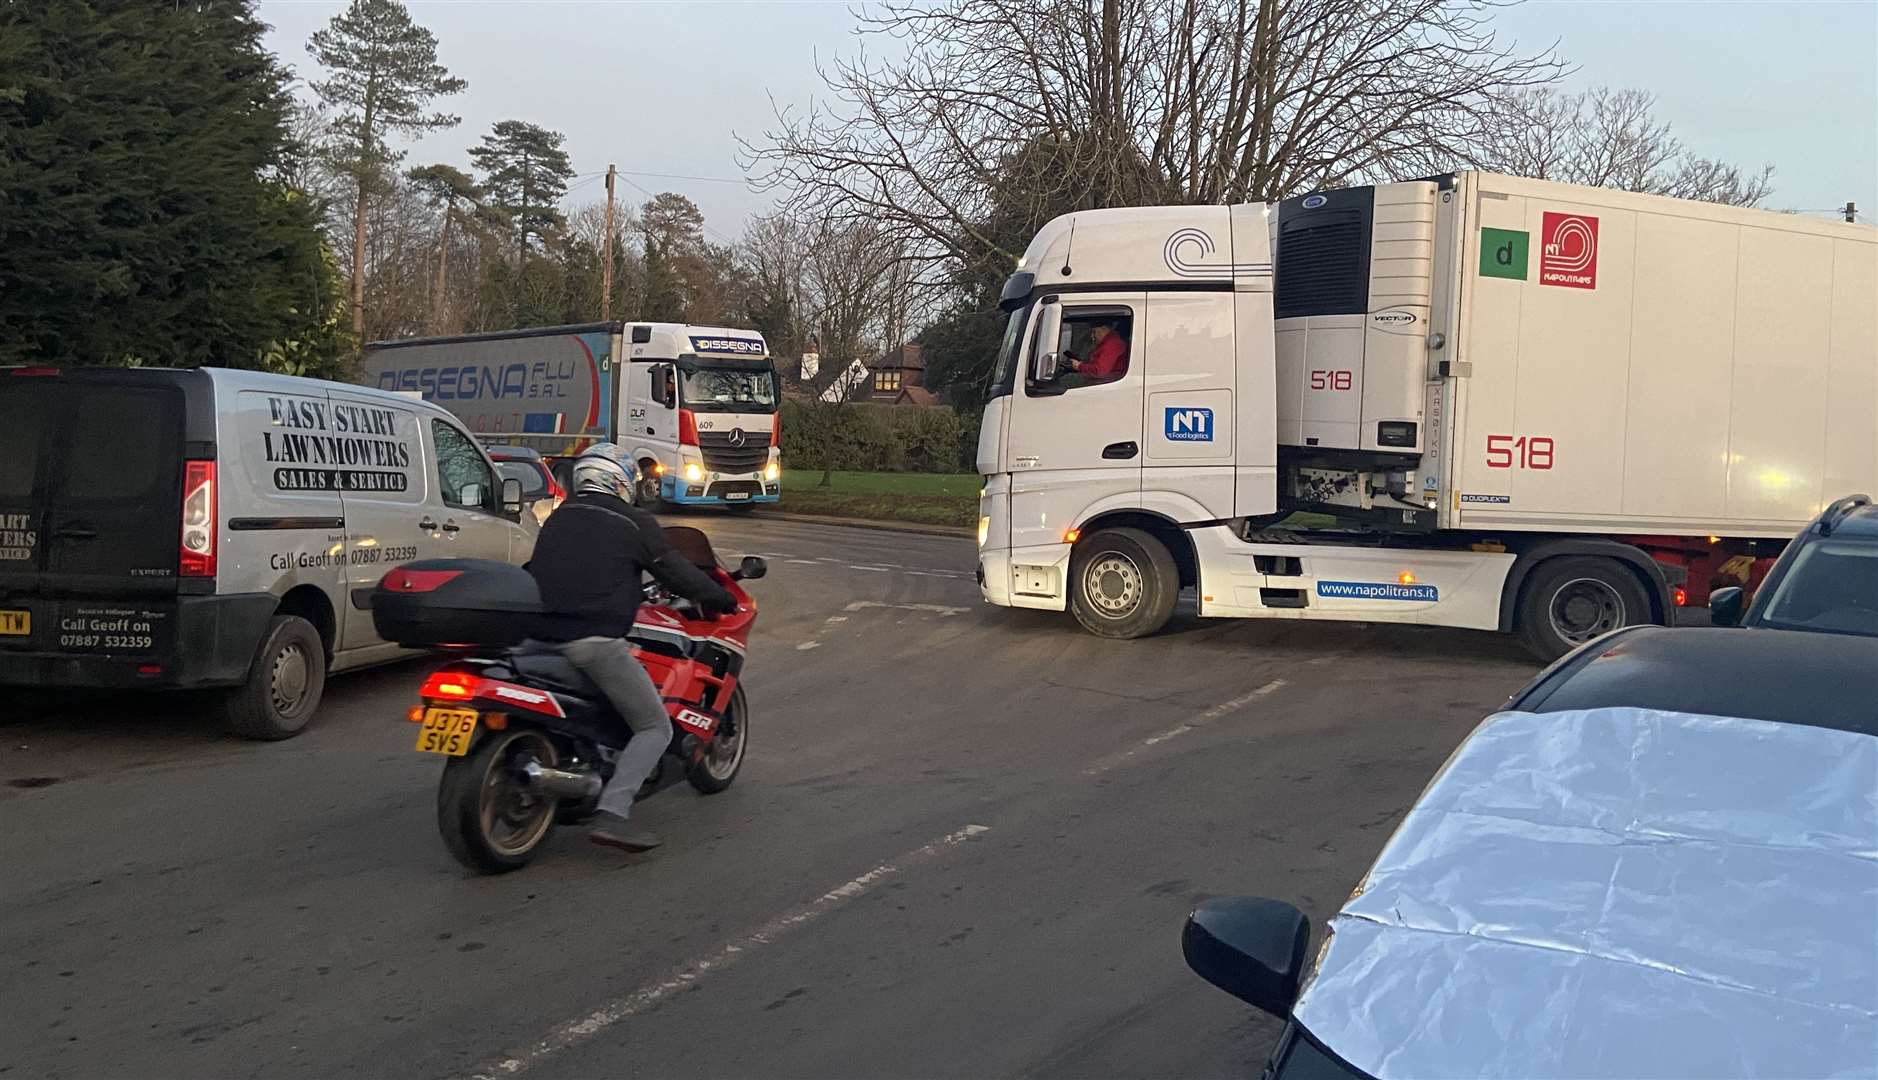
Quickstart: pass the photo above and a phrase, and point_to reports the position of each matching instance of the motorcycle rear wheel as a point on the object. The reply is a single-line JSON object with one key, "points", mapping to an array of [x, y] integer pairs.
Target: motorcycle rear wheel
{"points": [[489, 818], [717, 767]]}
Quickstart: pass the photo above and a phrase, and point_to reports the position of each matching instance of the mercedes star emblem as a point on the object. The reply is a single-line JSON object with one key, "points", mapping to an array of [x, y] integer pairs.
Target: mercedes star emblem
{"points": [[736, 436]]}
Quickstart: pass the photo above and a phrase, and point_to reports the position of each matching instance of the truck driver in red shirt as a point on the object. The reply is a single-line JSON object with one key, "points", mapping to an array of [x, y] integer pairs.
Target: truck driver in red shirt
{"points": [[1108, 357]]}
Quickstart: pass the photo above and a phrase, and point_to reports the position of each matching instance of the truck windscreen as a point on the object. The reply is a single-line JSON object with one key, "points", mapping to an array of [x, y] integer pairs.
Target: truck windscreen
{"points": [[1003, 376], [742, 390]]}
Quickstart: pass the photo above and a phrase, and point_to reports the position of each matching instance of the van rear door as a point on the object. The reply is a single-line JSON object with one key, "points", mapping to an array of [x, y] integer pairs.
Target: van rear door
{"points": [[91, 471]]}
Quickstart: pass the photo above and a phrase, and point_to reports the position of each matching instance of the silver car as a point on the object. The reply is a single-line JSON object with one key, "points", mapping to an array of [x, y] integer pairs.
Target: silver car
{"points": [[1660, 860]]}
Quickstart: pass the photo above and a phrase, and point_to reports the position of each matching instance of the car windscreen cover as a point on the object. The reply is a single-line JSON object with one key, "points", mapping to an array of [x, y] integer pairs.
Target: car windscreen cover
{"points": [[1618, 893]]}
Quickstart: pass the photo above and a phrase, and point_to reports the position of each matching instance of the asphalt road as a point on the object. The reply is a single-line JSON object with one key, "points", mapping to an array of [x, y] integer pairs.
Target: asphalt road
{"points": [[962, 845]]}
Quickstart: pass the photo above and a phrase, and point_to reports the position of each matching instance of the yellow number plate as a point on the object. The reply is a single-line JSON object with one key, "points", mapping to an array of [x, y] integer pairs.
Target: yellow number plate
{"points": [[447, 731], [16, 623]]}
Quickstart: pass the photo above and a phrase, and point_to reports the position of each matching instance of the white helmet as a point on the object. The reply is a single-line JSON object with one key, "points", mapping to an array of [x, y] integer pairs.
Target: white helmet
{"points": [[605, 468]]}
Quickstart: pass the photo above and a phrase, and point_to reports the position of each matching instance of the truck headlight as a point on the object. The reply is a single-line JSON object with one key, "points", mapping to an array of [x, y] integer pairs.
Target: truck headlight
{"points": [[772, 471], [984, 530], [694, 472]]}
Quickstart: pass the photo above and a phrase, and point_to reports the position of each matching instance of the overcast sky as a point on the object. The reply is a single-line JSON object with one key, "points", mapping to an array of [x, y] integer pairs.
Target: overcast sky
{"points": [[665, 87]]}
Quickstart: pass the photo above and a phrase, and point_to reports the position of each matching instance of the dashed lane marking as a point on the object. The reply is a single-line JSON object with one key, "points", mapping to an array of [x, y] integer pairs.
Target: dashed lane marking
{"points": [[1205, 718], [585, 1028], [936, 609]]}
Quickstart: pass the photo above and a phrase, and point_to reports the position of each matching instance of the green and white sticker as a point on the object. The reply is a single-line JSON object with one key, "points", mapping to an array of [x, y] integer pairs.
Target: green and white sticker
{"points": [[1503, 253]]}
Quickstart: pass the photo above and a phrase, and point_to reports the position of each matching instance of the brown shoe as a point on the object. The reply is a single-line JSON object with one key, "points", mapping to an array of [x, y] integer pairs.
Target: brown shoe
{"points": [[611, 830]]}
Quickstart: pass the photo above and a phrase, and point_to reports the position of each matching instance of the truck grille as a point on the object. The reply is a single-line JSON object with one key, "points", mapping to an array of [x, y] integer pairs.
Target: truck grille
{"points": [[721, 456]]}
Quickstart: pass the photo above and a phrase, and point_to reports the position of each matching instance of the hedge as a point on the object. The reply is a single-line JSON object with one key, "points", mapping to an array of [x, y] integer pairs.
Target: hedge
{"points": [[865, 437]]}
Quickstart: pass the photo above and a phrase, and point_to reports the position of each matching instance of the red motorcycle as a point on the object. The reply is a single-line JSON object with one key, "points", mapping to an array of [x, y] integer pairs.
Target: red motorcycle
{"points": [[530, 741]]}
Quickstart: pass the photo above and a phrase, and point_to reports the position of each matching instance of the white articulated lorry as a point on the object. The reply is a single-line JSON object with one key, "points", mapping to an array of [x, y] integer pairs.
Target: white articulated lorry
{"points": [[696, 405], [1509, 404]]}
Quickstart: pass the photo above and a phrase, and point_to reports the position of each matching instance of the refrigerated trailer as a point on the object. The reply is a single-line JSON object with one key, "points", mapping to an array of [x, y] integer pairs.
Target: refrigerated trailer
{"points": [[1473, 400], [694, 405]]}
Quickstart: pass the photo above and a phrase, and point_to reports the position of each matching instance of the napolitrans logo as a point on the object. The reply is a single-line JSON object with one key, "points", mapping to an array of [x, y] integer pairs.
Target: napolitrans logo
{"points": [[1569, 256]]}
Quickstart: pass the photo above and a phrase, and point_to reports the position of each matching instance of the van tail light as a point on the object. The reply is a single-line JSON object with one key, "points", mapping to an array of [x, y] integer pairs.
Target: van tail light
{"points": [[462, 687], [554, 487], [199, 520], [403, 580], [687, 427]]}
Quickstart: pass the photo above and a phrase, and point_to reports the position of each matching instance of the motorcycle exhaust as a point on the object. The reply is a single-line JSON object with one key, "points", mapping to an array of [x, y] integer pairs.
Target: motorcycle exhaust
{"points": [[561, 784]]}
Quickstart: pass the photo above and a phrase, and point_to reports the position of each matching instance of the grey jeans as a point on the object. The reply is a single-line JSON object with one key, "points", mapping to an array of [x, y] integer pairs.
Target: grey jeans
{"points": [[609, 663]]}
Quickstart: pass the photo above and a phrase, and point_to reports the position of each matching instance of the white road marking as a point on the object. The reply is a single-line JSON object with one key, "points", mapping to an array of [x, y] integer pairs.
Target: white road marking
{"points": [[874, 569], [837, 618], [807, 645], [580, 1030], [803, 562], [1207, 717], [937, 609]]}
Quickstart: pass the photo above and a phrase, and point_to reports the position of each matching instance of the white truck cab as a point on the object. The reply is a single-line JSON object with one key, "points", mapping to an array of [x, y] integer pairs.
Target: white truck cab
{"points": [[1505, 404], [698, 411]]}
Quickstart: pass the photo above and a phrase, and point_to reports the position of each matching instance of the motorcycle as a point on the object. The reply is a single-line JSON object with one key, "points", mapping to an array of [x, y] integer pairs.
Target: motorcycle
{"points": [[529, 740]]}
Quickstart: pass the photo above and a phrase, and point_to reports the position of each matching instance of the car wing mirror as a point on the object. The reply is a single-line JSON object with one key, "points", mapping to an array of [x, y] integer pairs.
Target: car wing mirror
{"points": [[750, 569], [1250, 947], [1726, 606], [512, 497]]}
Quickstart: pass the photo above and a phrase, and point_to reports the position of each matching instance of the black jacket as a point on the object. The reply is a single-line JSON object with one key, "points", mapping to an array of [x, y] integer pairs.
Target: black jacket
{"points": [[588, 561]]}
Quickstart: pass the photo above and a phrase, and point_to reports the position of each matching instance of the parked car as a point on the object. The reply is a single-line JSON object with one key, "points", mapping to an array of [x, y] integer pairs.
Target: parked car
{"points": [[542, 492], [209, 529], [1655, 862], [1826, 581]]}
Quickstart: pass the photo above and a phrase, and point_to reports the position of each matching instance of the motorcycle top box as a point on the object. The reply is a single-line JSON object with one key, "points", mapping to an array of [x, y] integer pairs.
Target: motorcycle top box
{"points": [[456, 604]]}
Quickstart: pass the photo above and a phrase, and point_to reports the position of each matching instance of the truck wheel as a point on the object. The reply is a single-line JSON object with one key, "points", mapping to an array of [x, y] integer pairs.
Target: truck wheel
{"points": [[1567, 602], [1122, 583], [647, 497], [284, 685]]}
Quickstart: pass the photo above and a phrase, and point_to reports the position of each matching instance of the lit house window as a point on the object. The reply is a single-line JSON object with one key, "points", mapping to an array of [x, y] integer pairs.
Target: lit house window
{"points": [[886, 382]]}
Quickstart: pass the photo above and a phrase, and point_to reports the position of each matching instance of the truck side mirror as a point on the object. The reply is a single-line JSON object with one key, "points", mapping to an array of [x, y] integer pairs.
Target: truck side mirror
{"points": [[751, 568], [1045, 361], [512, 497], [1250, 947], [1725, 606]]}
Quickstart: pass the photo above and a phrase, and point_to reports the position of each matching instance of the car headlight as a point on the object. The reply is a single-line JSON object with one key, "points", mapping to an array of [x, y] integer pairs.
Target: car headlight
{"points": [[772, 471], [694, 472], [984, 530]]}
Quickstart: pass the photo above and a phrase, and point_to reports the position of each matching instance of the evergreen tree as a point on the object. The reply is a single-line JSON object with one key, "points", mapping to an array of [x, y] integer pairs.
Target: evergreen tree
{"points": [[681, 268], [141, 215], [384, 75], [451, 192], [525, 172]]}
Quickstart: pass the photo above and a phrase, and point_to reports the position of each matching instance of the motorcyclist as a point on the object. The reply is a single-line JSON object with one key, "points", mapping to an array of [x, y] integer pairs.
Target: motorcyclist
{"points": [[588, 563]]}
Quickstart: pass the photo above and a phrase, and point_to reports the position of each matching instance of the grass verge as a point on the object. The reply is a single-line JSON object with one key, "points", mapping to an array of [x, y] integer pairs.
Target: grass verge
{"points": [[921, 498]]}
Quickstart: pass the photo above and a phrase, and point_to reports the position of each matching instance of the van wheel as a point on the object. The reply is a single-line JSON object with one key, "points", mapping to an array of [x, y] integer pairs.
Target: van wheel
{"points": [[1122, 583], [284, 685], [1570, 601]]}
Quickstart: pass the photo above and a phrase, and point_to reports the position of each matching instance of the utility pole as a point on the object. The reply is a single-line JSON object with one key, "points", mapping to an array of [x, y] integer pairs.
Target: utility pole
{"points": [[1851, 211], [606, 257]]}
